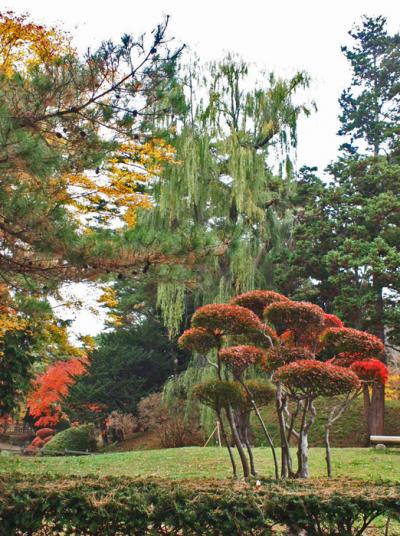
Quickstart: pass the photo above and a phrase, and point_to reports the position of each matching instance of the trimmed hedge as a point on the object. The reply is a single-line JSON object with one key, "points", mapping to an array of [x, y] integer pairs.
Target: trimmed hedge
{"points": [[121, 506], [80, 438]]}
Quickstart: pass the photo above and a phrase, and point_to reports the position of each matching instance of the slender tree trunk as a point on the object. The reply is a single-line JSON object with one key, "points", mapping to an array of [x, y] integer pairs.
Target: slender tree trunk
{"points": [[235, 435], [248, 446], [238, 443], [264, 428], [328, 427], [286, 462], [302, 452], [228, 446]]}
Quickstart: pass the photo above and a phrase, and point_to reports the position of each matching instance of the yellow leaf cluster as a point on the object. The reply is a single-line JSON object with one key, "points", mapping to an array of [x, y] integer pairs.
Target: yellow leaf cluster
{"points": [[9, 319], [108, 298], [392, 388], [25, 44], [112, 193]]}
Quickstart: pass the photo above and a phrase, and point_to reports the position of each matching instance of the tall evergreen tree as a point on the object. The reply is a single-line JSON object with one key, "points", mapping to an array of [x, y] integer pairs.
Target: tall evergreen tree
{"points": [[347, 240], [128, 363], [370, 106]]}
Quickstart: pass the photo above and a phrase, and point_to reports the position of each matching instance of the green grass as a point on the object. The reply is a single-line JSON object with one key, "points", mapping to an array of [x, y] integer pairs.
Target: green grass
{"points": [[210, 462], [348, 431]]}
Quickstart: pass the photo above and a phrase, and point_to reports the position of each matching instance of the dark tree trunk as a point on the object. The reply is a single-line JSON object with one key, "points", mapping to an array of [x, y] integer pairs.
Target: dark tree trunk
{"points": [[377, 410], [376, 414]]}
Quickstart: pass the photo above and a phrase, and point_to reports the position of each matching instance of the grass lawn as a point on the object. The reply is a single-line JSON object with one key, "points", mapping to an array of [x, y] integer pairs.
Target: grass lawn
{"points": [[210, 462]]}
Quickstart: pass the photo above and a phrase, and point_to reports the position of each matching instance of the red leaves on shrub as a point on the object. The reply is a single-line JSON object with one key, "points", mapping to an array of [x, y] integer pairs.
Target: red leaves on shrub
{"points": [[238, 358], [198, 340], [345, 359], [44, 432], [332, 321], [371, 371], [279, 356], [311, 379], [258, 300], [222, 318], [37, 442], [50, 387], [352, 340], [301, 317]]}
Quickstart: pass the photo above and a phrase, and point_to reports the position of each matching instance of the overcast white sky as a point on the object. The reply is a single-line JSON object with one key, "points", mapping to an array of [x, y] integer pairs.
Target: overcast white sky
{"points": [[283, 36]]}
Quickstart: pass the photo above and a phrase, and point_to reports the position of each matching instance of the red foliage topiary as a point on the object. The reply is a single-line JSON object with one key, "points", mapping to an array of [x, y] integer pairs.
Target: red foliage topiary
{"points": [[302, 318], [279, 356], [258, 300], [37, 442], [332, 321], [311, 379], [346, 359], [198, 340], [44, 432], [238, 358], [225, 319], [352, 340], [371, 371]]}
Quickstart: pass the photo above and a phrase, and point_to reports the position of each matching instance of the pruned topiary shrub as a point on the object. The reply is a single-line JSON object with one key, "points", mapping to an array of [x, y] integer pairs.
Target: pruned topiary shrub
{"points": [[80, 438]]}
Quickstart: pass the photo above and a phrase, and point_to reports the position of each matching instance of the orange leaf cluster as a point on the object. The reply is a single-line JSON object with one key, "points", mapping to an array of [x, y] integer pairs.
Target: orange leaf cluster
{"points": [[50, 387]]}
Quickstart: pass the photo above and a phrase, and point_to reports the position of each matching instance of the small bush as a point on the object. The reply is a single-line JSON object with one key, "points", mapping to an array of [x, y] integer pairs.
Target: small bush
{"points": [[37, 442], [174, 426], [81, 438], [45, 432]]}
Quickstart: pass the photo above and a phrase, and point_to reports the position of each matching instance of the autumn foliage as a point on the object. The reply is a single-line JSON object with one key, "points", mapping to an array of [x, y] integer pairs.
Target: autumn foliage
{"points": [[352, 340], [301, 318], [198, 340], [225, 319], [238, 358], [292, 350], [310, 379], [49, 389], [258, 300], [370, 371]]}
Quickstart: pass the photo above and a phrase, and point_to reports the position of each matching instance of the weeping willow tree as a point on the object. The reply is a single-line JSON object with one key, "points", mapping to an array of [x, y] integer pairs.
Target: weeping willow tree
{"points": [[222, 205], [225, 199]]}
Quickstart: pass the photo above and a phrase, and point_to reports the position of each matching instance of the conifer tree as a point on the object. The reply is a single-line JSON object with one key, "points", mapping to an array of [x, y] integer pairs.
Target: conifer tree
{"points": [[347, 244]]}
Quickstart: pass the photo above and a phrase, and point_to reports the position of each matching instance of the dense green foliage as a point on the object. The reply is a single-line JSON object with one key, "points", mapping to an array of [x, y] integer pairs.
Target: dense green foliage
{"points": [[346, 249], [162, 507], [128, 364], [15, 370], [370, 108], [80, 438]]}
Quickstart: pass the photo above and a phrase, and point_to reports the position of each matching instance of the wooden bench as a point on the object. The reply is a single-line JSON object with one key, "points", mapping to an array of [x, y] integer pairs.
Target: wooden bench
{"points": [[391, 440]]}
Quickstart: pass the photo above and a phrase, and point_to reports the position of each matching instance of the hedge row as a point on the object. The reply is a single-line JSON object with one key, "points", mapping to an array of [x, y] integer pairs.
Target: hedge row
{"points": [[121, 506]]}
